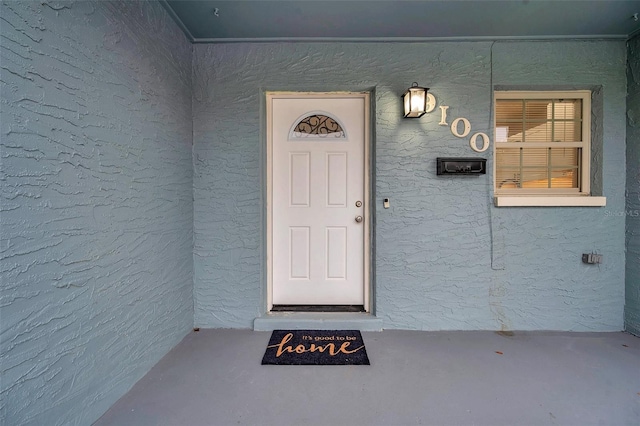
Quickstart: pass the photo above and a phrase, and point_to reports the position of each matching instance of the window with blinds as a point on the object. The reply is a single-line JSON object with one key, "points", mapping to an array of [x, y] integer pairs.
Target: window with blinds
{"points": [[542, 142]]}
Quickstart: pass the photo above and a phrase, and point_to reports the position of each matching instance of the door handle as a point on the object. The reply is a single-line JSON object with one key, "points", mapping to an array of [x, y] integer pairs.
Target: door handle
{"points": [[358, 219]]}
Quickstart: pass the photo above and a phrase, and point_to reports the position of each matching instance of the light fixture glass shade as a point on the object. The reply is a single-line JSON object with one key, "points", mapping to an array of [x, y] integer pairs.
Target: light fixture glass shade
{"points": [[415, 101]]}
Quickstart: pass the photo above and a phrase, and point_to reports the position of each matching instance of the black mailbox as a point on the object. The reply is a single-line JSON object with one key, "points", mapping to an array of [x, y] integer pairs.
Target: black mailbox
{"points": [[461, 166]]}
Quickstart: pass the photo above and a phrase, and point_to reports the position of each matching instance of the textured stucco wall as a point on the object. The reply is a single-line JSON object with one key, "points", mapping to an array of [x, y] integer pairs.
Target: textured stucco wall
{"points": [[445, 258], [96, 214], [632, 213], [543, 246]]}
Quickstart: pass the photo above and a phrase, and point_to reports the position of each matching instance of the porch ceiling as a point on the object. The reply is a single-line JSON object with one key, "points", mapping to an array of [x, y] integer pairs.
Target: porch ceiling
{"points": [[355, 20]]}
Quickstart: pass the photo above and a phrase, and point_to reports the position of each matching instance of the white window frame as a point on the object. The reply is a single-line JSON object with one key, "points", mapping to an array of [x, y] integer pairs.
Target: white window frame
{"points": [[550, 196]]}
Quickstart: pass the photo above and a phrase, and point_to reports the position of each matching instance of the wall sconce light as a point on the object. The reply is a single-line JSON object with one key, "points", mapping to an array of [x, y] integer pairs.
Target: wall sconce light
{"points": [[415, 101]]}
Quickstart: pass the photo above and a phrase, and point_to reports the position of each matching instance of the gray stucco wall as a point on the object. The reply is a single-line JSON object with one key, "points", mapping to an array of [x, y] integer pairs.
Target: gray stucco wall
{"points": [[96, 214], [445, 258], [632, 213]]}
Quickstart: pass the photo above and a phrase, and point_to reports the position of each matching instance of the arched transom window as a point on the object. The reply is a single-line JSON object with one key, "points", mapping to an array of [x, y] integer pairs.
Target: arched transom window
{"points": [[318, 125]]}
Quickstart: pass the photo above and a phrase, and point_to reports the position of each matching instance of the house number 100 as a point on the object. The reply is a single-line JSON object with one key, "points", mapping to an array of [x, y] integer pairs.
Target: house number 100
{"points": [[473, 142]]}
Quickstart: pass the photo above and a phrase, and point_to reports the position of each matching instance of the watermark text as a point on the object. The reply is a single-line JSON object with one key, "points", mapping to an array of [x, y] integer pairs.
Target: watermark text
{"points": [[620, 213]]}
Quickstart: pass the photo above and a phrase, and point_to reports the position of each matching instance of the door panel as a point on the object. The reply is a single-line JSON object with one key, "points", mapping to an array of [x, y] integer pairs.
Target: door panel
{"points": [[337, 252], [336, 179], [299, 252], [299, 178]]}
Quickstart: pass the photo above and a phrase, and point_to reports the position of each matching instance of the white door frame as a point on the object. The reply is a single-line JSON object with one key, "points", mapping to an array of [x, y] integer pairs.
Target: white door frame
{"points": [[367, 191]]}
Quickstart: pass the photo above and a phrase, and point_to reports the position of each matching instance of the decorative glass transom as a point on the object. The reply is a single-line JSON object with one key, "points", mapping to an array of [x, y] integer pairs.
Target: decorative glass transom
{"points": [[318, 126]]}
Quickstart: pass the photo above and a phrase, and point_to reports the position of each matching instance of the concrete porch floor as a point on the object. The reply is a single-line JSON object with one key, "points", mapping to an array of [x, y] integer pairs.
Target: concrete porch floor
{"points": [[214, 377]]}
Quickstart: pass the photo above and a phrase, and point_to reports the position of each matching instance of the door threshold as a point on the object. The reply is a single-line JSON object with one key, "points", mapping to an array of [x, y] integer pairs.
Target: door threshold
{"points": [[317, 308], [362, 321]]}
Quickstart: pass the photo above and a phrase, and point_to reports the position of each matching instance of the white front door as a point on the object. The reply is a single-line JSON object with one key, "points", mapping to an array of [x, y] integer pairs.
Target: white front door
{"points": [[318, 220]]}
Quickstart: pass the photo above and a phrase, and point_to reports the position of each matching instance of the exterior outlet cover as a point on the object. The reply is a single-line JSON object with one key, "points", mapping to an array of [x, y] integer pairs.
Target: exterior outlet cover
{"points": [[592, 258]]}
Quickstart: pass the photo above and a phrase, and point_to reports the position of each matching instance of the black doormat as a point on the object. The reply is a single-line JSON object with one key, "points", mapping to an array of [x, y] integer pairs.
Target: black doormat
{"points": [[316, 347]]}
